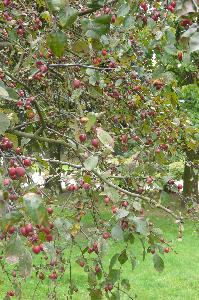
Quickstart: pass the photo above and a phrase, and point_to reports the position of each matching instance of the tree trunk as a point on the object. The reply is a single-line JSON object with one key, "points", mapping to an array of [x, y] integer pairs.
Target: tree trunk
{"points": [[190, 178], [54, 183]]}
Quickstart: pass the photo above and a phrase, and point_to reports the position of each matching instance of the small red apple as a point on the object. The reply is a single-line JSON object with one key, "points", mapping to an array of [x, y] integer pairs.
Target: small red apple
{"points": [[82, 137], [76, 83], [104, 52], [180, 56], [95, 143], [20, 171]]}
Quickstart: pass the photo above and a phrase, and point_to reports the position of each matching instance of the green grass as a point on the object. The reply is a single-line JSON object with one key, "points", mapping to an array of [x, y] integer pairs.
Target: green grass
{"points": [[179, 280]]}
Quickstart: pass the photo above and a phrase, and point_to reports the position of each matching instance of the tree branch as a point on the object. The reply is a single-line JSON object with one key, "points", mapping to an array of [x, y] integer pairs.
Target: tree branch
{"points": [[109, 183], [38, 138], [87, 12], [38, 109], [54, 161], [17, 80], [78, 65], [147, 199]]}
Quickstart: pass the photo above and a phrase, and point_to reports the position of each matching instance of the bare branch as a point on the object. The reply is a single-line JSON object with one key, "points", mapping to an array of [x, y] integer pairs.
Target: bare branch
{"points": [[38, 138], [78, 65], [147, 199], [54, 161]]}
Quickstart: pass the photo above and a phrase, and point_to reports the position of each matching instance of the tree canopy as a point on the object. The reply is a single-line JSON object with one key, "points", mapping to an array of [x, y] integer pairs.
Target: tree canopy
{"points": [[102, 95]]}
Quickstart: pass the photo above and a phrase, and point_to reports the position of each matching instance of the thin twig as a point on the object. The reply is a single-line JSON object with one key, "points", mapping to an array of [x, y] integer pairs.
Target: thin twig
{"points": [[78, 65]]}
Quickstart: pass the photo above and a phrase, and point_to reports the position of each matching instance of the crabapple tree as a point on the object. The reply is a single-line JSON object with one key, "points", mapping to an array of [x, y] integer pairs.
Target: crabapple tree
{"points": [[90, 95]]}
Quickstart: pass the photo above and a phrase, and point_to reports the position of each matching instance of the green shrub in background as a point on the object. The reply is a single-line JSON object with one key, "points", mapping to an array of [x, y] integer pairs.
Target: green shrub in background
{"points": [[176, 169]]}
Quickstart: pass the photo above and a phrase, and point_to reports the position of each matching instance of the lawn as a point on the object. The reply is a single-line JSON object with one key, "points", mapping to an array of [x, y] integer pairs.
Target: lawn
{"points": [[179, 280]]}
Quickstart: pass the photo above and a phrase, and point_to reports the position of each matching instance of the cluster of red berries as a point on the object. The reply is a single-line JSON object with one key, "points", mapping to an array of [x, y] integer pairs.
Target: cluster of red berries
{"points": [[94, 248], [179, 186], [42, 69], [75, 187], [6, 144], [95, 142], [171, 6]]}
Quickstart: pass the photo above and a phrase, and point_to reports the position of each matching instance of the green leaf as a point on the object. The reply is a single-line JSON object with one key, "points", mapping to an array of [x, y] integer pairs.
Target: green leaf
{"points": [[117, 233], [194, 42], [111, 192], [56, 5], [126, 284], [97, 27], [115, 295], [13, 138], [50, 250], [68, 17], [113, 260], [57, 42], [157, 231], [137, 205], [95, 4], [123, 10], [80, 46], [105, 138], [122, 213], [165, 197], [91, 162], [170, 49], [188, 33], [46, 16], [123, 257], [4, 123], [3, 93], [63, 227], [25, 264], [92, 280], [141, 225], [158, 263], [129, 21], [96, 295], [185, 7], [114, 275], [35, 208], [9, 219], [133, 262], [14, 249], [103, 19], [91, 121]]}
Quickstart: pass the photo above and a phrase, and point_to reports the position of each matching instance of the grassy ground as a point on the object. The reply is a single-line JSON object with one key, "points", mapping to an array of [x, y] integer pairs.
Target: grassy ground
{"points": [[179, 280]]}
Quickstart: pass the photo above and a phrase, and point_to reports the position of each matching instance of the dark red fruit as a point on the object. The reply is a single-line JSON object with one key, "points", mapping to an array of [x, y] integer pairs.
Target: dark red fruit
{"points": [[23, 231], [53, 276], [11, 294], [12, 171], [41, 276], [82, 137], [180, 56], [11, 230], [82, 264], [97, 269], [76, 83], [149, 180], [49, 238], [18, 150], [95, 143], [106, 235], [27, 162], [36, 249], [167, 250], [29, 228], [50, 210], [106, 200], [20, 171], [104, 52]]}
